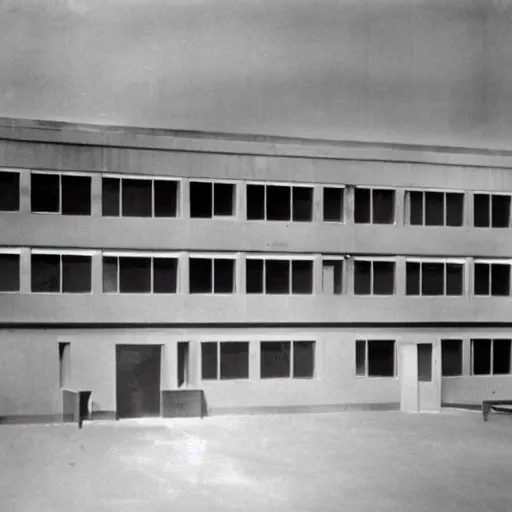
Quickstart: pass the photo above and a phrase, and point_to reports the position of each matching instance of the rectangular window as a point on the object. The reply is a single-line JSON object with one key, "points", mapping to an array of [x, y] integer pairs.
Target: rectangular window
{"points": [[60, 273], [333, 204], [139, 197], [332, 277], [9, 272], [208, 199], [76, 195], [375, 358], [374, 206], [434, 278], [225, 360], [279, 202], [165, 275], [451, 358], [9, 191], [287, 359], [491, 210], [211, 275], [374, 277], [490, 357], [429, 208], [45, 193], [492, 279], [279, 276]]}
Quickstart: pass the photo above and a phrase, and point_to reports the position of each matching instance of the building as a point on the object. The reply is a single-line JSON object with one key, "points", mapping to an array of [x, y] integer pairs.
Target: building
{"points": [[274, 274]]}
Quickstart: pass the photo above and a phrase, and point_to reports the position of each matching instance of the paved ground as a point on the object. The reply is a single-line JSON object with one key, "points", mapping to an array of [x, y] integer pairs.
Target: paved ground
{"points": [[354, 462]]}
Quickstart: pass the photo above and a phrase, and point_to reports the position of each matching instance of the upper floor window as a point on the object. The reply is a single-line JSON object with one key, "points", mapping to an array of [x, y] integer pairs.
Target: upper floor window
{"points": [[224, 360], [287, 359], [374, 206], [279, 202], [490, 357], [491, 210], [10, 270], [375, 358], [492, 277], [67, 194], [333, 200], [332, 276], [275, 275], [431, 277], [430, 208], [374, 277], [9, 191], [212, 274], [209, 200], [139, 197]]}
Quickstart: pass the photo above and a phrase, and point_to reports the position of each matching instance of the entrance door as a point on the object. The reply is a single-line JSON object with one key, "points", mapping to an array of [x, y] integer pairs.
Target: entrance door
{"points": [[138, 380]]}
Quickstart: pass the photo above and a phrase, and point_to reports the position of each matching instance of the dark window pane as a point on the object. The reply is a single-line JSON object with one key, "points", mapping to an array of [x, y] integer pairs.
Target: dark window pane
{"points": [[278, 202], [432, 278], [209, 360], [200, 275], [277, 276], [416, 207], [254, 276], [303, 359], [110, 197], [500, 279], [302, 204], [333, 204], [454, 279], [9, 191], [9, 272], [224, 199], [500, 211], [361, 358], [434, 208], [76, 274], [76, 195], [255, 202], [45, 193], [234, 360], [481, 357], [166, 198], [482, 279], [45, 273], [135, 275], [383, 278], [362, 277], [224, 275], [501, 357], [383, 206], [362, 205], [137, 198], [381, 358], [302, 277], [451, 358], [454, 209], [481, 210], [412, 270], [110, 274], [275, 359], [424, 362], [201, 206], [165, 275]]}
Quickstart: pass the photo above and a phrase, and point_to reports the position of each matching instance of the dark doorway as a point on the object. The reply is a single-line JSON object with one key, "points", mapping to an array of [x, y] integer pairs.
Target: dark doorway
{"points": [[138, 380], [182, 363]]}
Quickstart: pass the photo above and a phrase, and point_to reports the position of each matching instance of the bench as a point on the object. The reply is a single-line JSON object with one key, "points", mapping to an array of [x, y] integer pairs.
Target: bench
{"points": [[487, 405]]}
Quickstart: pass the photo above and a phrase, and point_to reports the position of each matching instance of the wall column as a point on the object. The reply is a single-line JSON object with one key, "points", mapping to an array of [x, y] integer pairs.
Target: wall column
{"points": [[97, 273], [195, 364], [25, 271], [348, 205], [169, 372], [348, 276], [96, 195], [241, 201], [400, 207], [240, 273], [317, 203], [400, 277], [183, 273], [469, 285], [466, 357], [468, 209], [25, 191], [254, 359], [317, 274], [184, 202]]}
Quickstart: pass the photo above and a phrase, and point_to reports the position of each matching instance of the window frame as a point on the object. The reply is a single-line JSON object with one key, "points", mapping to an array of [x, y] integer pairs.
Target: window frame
{"points": [[462, 355], [212, 257], [344, 281], [490, 262], [343, 201], [19, 173], [371, 188], [291, 376], [235, 183], [371, 259], [491, 199], [15, 251], [218, 377], [491, 356], [366, 341], [408, 208]]}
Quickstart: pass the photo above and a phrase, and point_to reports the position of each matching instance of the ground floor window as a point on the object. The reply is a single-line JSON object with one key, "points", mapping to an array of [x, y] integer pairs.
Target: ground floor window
{"points": [[375, 358], [287, 359], [451, 357], [490, 357], [224, 360]]}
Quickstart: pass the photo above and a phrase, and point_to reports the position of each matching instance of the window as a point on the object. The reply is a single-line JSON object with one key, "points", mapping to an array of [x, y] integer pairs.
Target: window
{"points": [[279, 202], [67, 194], [279, 276], [9, 272], [9, 191], [451, 358], [374, 206], [492, 278], [212, 275], [60, 273], [375, 358], [208, 200], [375, 277], [491, 210], [490, 357], [332, 277], [140, 274], [285, 359], [225, 360], [435, 208], [333, 204], [434, 278], [424, 353], [139, 197]]}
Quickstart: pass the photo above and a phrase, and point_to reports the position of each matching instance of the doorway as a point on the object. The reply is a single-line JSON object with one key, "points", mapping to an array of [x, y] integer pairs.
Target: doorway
{"points": [[183, 363], [138, 380]]}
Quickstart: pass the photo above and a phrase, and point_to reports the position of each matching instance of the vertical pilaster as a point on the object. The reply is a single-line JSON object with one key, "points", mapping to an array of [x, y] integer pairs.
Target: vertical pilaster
{"points": [[25, 272], [466, 357], [400, 207], [184, 199], [317, 203], [96, 195], [97, 273], [317, 274], [469, 284], [240, 273], [348, 205], [348, 275], [25, 191], [254, 360], [468, 209], [400, 276], [169, 368], [183, 273], [241, 201], [195, 363]]}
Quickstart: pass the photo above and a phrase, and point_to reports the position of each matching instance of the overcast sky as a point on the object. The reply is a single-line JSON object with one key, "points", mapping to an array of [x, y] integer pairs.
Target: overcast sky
{"points": [[424, 71]]}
